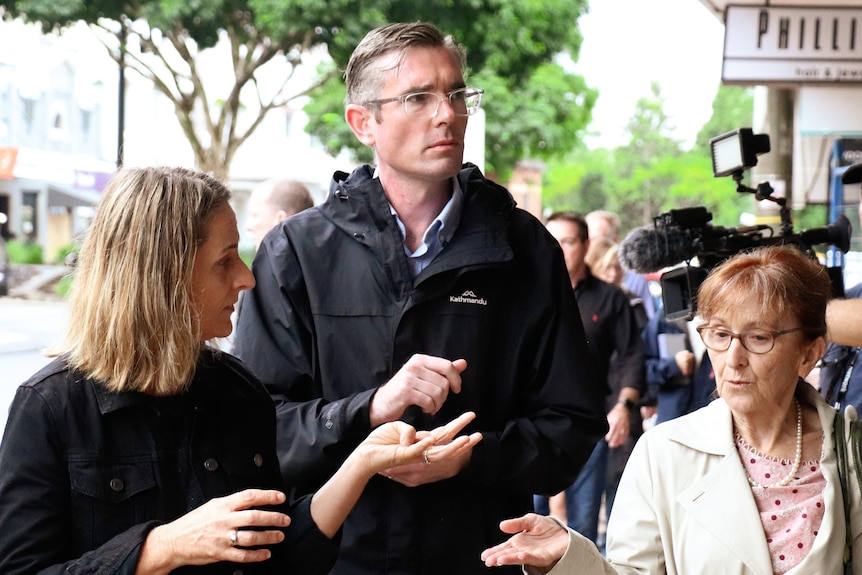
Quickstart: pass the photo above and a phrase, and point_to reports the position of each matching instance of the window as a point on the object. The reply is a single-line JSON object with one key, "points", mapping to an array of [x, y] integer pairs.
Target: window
{"points": [[29, 115]]}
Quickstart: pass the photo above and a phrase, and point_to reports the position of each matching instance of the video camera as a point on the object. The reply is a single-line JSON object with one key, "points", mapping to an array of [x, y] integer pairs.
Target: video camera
{"points": [[682, 235]]}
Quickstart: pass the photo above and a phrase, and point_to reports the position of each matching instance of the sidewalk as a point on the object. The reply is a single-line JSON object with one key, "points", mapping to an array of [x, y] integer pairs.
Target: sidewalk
{"points": [[32, 314], [36, 281]]}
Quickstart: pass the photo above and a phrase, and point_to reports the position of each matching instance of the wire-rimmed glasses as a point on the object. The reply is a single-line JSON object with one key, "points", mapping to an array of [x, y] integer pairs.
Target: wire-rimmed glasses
{"points": [[425, 105], [755, 340]]}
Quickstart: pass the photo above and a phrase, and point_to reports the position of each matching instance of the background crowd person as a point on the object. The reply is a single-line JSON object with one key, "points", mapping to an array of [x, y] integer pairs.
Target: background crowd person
{"points": [[603, 260], [678, 381], [607, 224], [613, 336], [416, 291], [840, 374], [272, 201], [140, 448], [760, 490], [843, 317]]}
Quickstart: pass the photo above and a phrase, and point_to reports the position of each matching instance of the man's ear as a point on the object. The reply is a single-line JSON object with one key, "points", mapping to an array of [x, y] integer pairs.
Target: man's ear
{"points": [[359, 119], [280, 216]]}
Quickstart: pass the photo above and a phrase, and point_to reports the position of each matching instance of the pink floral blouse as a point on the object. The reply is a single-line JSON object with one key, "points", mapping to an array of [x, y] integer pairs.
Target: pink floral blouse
{"points": [[791, 514]]}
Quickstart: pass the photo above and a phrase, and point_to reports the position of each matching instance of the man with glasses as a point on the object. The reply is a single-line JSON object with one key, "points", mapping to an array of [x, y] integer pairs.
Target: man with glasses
{"points": [[418, 291]]}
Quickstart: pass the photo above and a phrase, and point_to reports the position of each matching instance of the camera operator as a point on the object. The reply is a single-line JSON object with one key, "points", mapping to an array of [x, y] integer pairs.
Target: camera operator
{"points": [[840, 371], [842, 319]]}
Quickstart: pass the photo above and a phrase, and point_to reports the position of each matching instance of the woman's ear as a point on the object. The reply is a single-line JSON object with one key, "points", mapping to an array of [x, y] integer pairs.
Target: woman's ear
{"points": [[361, 120], [814, 351]]}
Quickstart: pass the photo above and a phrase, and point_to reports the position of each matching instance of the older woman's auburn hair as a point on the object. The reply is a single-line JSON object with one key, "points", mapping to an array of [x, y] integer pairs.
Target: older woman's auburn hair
{"points": [[132, 323], [782, 280]]}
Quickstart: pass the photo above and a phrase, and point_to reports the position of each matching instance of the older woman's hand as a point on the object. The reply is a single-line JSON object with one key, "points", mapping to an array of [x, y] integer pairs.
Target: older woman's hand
{"points": [[539, 541], [216, 531]]}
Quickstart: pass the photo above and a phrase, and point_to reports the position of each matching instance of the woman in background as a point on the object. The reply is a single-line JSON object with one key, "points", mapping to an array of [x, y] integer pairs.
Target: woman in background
{"points": [[603, 259], [143, 449]]}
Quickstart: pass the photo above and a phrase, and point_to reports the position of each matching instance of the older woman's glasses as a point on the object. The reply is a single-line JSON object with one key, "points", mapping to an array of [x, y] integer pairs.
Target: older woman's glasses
{"points": [[755, 341], [425, 105]]}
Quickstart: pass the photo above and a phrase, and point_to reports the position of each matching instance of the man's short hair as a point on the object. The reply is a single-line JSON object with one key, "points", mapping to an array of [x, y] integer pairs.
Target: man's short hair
{"points": [[288, 195], [364, 79], [610, 218], [576, 218]]}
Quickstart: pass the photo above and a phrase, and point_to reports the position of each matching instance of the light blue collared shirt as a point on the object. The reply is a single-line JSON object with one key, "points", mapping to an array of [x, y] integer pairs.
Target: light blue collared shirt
{"points": [[438, 233]]}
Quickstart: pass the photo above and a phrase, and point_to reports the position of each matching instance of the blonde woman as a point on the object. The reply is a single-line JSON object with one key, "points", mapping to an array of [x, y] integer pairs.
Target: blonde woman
{"points": [[141, 448], [603, 258]]}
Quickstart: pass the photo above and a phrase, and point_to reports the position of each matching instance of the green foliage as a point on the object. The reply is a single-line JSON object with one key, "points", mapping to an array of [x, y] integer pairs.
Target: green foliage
{"points": [[64, 252], [326, 122], [578, 181], [545, 119], [732, 108], [536, 109], [24, 252], [247, 256], [652, 174], [64, 285], [811, 216]]}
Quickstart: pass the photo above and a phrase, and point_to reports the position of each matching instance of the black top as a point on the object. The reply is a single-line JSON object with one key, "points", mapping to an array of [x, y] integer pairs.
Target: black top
{"points": [[85, 474]]}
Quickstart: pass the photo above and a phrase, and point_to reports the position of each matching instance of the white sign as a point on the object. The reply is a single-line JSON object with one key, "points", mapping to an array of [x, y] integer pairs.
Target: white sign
{"points": [[803, 44]]}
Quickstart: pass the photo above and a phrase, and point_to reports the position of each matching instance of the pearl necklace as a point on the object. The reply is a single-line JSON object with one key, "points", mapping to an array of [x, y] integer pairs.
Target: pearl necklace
{"points": [[796, 462]]}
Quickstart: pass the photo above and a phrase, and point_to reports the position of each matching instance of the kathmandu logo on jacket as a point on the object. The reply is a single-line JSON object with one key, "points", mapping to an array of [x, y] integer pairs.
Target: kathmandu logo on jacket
{"points": [[468, 297]]}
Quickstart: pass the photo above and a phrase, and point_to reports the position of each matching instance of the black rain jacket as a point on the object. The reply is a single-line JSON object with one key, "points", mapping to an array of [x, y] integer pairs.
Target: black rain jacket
{"points": [[335, 313]]}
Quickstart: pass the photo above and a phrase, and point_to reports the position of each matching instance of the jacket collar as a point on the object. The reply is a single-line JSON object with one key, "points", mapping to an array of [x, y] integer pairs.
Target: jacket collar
{"points": [[214, 390], [712, 431], [707, 499], [357, 205]]}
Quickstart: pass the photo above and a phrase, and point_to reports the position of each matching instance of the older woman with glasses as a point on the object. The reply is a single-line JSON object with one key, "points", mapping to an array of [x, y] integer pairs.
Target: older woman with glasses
{"points": [[748, 484]]}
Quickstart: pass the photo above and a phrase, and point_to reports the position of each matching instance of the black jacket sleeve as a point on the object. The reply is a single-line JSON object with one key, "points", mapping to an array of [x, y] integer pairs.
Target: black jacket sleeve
{"points": [[274, 337]]}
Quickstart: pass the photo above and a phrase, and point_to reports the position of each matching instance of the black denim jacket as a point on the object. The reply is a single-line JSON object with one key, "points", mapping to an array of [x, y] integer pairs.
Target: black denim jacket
{"points": [[85, 474]]}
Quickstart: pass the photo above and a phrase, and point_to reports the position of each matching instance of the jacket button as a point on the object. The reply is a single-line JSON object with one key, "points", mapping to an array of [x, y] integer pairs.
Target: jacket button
{"points": [[116, 484], [258, 459], [237, 572], [210, 464]]}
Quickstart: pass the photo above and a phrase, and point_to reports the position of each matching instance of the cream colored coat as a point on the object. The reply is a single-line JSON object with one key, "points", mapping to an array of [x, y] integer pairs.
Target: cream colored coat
{"points": [[684, 507]]}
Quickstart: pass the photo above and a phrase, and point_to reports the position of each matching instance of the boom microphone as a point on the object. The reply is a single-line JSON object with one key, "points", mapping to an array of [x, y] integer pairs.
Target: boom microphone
{"points": [[647, 249]]}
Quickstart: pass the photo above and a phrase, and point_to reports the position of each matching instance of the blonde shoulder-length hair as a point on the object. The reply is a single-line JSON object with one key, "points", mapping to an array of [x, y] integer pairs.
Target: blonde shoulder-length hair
{"points": [[132, 317]]}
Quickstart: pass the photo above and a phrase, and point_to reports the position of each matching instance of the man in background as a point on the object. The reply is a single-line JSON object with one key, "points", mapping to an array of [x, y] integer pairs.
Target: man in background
{"points": [[273, 201], [613, 336], [270, 202], [840, 377]]}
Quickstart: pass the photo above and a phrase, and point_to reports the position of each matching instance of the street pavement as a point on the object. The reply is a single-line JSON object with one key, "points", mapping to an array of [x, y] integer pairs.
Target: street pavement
{"points": [[27, 328]]}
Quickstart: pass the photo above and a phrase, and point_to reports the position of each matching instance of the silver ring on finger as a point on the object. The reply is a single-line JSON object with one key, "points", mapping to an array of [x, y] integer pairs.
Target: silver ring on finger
{"points": [[231, 535], [425, 458]]}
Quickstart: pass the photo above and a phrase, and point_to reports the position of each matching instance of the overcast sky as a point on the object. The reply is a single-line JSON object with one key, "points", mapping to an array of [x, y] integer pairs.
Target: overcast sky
{"points": [[630, 43]]}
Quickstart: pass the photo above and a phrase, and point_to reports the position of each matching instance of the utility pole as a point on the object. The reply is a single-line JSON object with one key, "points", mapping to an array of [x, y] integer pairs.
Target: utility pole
{"points": [[121, 93]]}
